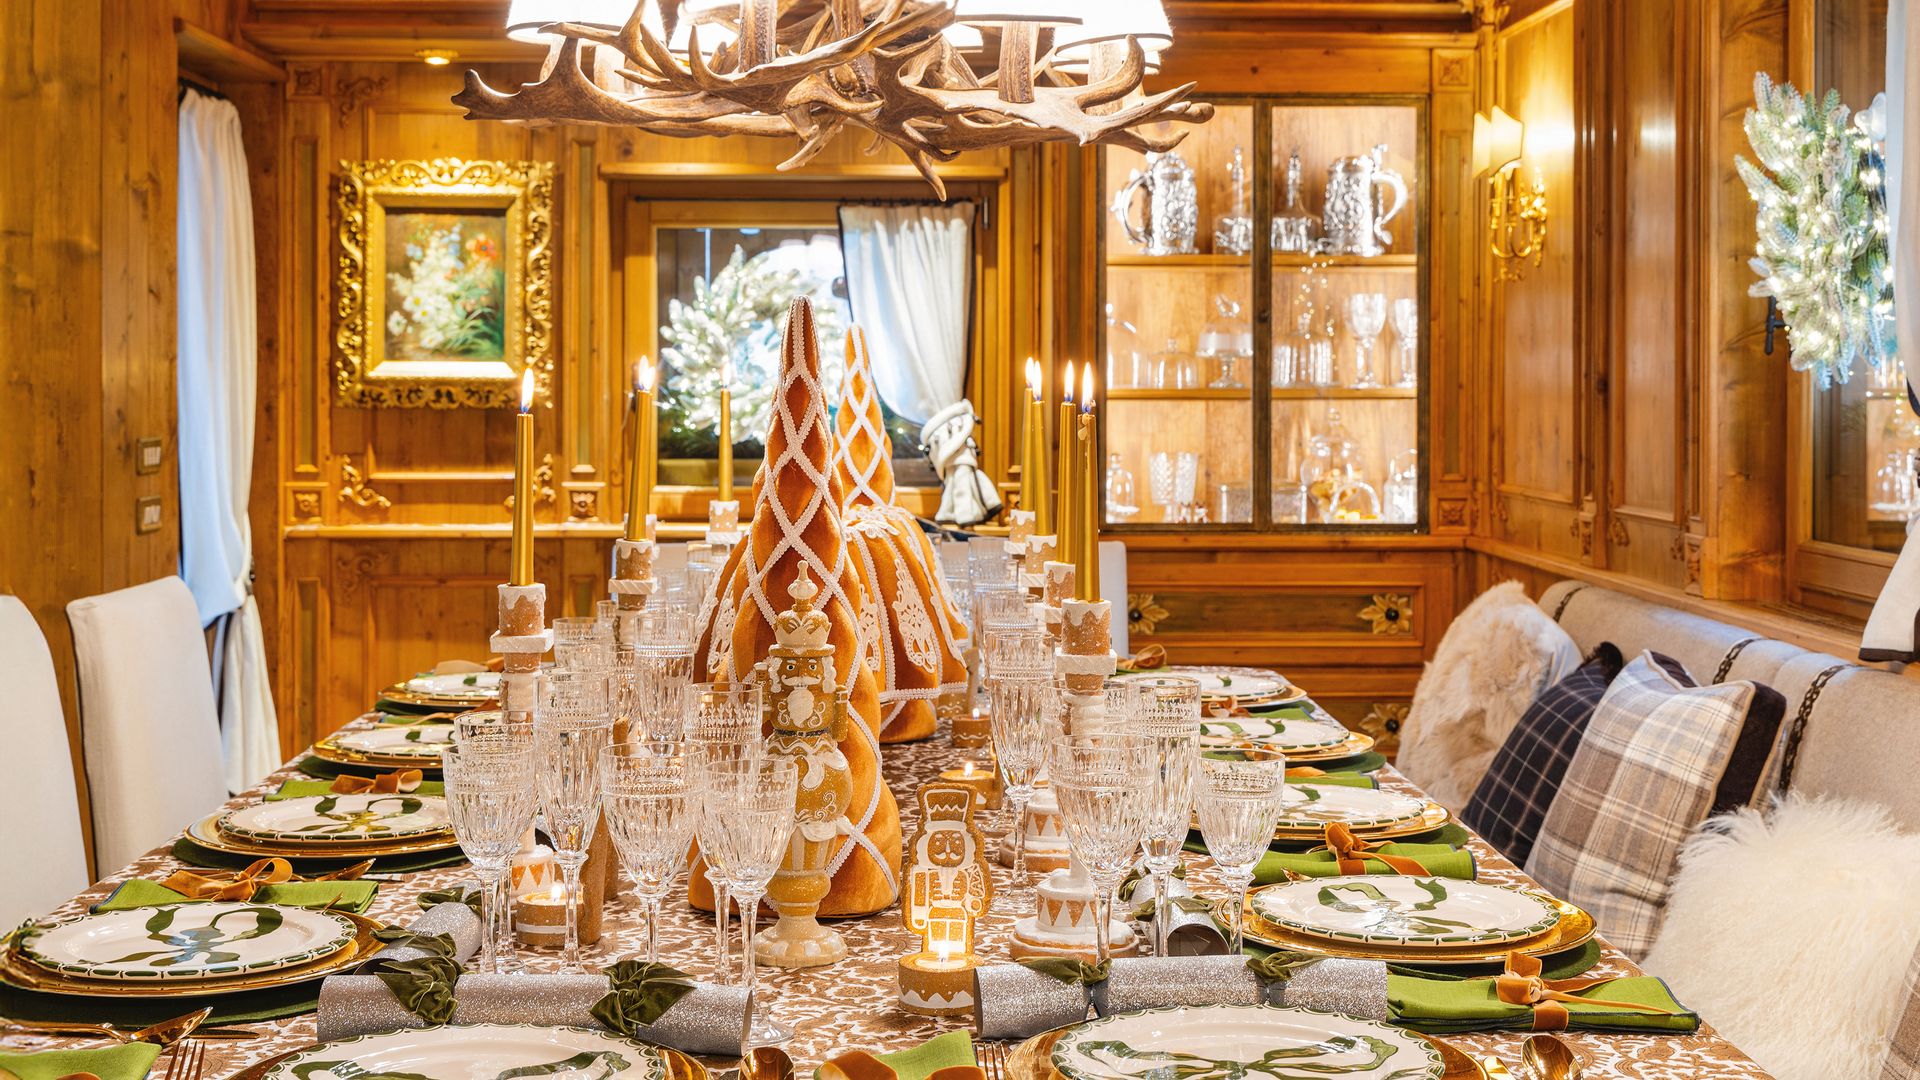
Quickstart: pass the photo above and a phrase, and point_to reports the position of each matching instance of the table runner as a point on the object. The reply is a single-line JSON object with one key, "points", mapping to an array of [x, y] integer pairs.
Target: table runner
{"points": [[852, 1004]]}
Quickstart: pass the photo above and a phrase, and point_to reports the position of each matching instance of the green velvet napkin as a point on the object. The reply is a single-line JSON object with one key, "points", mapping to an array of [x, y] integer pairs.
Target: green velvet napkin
{"points": [[939, 1052], [299, 789], [354, 896], [1442, 1007], [1440, 860], [127, 1062], [1334, 779]]}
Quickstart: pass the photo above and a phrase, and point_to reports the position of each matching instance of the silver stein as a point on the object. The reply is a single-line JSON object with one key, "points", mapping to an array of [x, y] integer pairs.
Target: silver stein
{"points": [[1354, 222], [1173, 206]]}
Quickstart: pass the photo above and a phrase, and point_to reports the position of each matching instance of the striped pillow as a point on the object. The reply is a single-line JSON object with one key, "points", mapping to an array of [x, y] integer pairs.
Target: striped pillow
{"points": [[1660, 755]]}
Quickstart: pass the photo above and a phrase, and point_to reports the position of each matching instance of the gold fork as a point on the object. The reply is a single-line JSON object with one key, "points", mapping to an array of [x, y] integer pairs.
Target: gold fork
{"points": [[189, 1061], [995, 1064]]}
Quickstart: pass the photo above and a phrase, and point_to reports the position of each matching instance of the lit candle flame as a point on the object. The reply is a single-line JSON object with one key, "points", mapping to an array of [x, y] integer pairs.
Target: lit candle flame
{"points": [[1086, 388], [1033, 377], [643, 375], [526, 390], [966, 768], [1066, 384]]}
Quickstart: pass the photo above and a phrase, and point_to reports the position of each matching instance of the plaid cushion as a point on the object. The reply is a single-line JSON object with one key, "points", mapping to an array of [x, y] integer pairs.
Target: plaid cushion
{"points": [[1524, 776], [1659, 756]]}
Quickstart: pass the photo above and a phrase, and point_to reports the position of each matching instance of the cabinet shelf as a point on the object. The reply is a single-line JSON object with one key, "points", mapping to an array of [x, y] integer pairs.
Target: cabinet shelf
{"points": [[1345, 393], [1202, 393], [1347, 262], [1180, 262]]}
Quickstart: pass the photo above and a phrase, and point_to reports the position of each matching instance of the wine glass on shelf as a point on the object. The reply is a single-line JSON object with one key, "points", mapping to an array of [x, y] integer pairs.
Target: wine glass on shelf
{"points": [[490, 799], [1103, 784], [1366, 318], [650, 805], [1238, 804], [568, 734], [1160, 483], [1406, 330], [1120, 495], [1186, 481], [755, 802], [1166, 713], [1025, 712]]}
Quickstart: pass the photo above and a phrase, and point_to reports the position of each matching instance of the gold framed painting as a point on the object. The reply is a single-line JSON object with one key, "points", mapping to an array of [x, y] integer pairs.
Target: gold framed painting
{"points": [[444, 294]]}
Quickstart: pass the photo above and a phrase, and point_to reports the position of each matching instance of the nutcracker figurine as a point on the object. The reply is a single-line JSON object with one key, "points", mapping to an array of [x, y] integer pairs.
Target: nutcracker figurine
{"points": [[948, 886]]}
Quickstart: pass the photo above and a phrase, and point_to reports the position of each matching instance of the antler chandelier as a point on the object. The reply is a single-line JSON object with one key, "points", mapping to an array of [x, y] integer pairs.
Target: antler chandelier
{"points": [[809, 69]]}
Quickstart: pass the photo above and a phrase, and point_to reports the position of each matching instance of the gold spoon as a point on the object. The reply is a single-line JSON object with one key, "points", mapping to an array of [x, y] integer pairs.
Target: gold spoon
{"points": [[1495, 1068], [1548, 1057], [766, 1063]]}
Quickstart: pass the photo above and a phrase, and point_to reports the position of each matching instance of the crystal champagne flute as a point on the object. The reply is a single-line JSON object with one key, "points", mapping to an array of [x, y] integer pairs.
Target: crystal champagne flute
{"points": [[1025, 713], [1166, 713], [755, 801], [649, 803], [569, 733]]}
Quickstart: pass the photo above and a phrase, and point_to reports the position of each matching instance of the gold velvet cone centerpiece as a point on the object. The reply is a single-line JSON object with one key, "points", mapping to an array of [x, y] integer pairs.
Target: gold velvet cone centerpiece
{"points": [[796, 520], [914, 634]]}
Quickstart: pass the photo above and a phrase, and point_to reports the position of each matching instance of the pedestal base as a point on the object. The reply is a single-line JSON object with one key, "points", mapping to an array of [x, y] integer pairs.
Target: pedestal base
{"points": [[799, 942], [931, 986], [1064, 924]]}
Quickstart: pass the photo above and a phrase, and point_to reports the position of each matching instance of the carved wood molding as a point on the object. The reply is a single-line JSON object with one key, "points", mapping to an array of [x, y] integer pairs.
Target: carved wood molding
{"points": [[543, 492], [351, 94], [354, 487]]}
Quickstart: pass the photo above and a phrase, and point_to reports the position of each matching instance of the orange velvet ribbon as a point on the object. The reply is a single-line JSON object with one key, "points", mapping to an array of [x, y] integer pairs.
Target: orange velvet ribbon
{"points": [[242, 884], [1147, 659], [397, 782], [1217, 711], [1350, 853], [1522, 985], [1304, 772], [860, 1065]]}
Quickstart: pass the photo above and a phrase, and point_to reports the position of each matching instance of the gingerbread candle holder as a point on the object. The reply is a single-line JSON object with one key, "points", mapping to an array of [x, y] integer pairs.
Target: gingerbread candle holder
{"points": [[947, 887], [1033, 563], [521, 640], [632, 582]]}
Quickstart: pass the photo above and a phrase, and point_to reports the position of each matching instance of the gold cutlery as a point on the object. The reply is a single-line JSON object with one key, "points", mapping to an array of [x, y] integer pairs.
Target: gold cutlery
{"points": [[189, 1062], [766, 1063], [1548, 1057], [164, 1033], [1495, 1068], [994, 1062]]}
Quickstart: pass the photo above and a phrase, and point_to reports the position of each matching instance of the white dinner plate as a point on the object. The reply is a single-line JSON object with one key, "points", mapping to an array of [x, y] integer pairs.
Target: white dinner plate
{"points": [[1242, 1040], [1230, 682], [399, 740], [337, 819], [469, 684], [1310, 806], [1389, 910], [478, 1052], [183, 942], [1273, 732]]}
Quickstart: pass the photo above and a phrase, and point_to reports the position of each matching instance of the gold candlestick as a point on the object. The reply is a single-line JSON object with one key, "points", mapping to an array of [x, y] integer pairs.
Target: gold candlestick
{"points": [[1033, 456], [1066, 526], [726, 430], [520, 568], [640, 454], [1088, 571]]}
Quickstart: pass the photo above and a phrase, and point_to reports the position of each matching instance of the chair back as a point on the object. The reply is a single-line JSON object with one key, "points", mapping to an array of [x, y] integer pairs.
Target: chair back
{"points": [[44, 848], [148, 722]]}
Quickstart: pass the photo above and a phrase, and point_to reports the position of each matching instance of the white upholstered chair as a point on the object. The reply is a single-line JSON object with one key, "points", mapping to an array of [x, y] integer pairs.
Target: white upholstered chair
{"points": [[148, 722], [44, 846]]}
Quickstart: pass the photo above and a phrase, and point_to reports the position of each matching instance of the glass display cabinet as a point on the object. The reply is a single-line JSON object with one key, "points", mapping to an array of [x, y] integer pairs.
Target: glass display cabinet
{"points": [[1265, 336]]}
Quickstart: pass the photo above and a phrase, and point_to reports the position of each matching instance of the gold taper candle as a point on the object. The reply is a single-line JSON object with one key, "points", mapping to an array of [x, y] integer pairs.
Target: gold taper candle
{"points": [[726, 430], [640, 454], [1087, 573], [1066, 528], [520, 568], [1035, 478]]}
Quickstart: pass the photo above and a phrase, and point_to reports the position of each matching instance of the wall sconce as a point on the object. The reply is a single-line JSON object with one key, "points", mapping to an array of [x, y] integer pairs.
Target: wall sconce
{"points": [[1516, 214]]}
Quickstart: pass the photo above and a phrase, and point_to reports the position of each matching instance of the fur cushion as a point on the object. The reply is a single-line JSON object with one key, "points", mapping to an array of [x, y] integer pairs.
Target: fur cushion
{"points": [[1791, 933], [1500, 652]]}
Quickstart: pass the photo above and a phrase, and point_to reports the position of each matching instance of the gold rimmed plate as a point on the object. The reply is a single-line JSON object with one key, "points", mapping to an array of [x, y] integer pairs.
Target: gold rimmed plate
{"points": [[1574, 929], [207, 833], [329, 749], [1357, 743], [18, 971], [1033, 1059], [1432, 816]]}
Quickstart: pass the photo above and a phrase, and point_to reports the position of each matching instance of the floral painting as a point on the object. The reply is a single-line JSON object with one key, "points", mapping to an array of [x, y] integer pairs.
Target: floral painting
{"points": [[446, 286]]}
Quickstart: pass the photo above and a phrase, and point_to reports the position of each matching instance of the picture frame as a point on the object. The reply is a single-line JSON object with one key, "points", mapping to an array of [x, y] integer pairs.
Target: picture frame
{"points": [[444, 290]]}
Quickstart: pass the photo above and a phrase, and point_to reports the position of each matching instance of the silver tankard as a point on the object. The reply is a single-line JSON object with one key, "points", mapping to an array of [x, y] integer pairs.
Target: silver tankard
{"points": [[1354, 222], [1173, 206]]}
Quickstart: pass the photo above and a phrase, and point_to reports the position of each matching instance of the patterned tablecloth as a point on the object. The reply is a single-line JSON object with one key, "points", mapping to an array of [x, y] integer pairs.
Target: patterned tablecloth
{"points": [[852, 1004]]}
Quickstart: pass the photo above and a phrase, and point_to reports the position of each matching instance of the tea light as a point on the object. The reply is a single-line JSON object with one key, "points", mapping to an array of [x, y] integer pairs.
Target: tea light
{"points": [[971, 731], [540, 918], [984, 782], [937, 983], [947, 887]]}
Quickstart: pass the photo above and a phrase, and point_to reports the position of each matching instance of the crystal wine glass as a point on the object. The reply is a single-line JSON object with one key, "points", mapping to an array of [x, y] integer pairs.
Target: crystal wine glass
{"points": [[755, 801], [1166, 712], [1025, 712], [1238, 804], [1366, 318], [650, 807], [661, 664], [1160, 483], [569, 733], [490, 802], [1406, 328], [1103, 783], [494, 728], [709, 829]]}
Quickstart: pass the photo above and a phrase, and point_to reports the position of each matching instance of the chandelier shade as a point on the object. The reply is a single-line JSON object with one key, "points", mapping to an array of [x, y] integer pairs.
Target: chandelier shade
{"points": [[1144, 21], [1045, 12]]}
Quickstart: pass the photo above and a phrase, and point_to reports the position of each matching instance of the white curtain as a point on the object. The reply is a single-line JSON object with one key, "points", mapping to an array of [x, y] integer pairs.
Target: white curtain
{"points": [[216, 387], [910, 284]]}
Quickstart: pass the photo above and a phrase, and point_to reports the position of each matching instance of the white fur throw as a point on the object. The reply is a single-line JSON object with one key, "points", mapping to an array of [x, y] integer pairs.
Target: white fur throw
{"points": [[1500, 652], [1791, 933]]}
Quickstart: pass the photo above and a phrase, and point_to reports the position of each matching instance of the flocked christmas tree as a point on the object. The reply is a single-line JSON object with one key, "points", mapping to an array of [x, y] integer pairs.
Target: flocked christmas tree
{"points": [[735, 319], [1822, 251]]}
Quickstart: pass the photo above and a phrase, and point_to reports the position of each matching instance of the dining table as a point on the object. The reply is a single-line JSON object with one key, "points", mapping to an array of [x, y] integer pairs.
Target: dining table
{"points": [[853, 1004]]}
